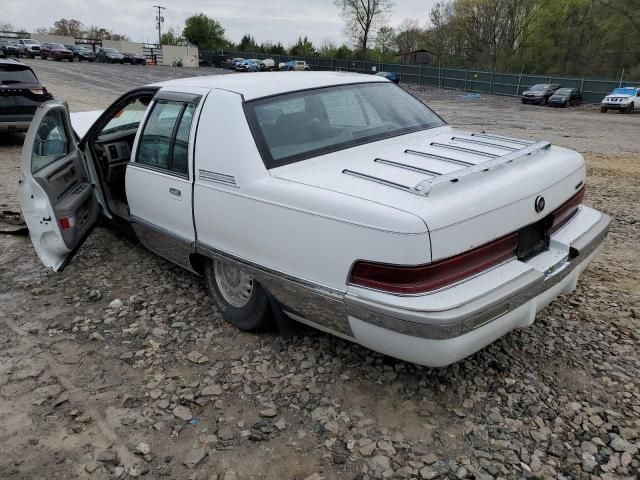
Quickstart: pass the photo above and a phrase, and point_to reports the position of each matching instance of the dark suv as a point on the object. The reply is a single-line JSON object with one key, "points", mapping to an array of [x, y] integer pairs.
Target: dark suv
{"points": [[55, 51], [20, 95], [539, 93], [81, 53]]}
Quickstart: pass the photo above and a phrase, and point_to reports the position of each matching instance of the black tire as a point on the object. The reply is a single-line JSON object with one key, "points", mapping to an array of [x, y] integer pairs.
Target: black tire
{"points": [[254, 315], [544, 101], [603, 110], [629, 109], [522, 100]]}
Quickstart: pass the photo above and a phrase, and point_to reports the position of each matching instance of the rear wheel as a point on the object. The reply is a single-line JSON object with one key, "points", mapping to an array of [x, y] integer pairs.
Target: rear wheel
{"points": [[241, 300]]}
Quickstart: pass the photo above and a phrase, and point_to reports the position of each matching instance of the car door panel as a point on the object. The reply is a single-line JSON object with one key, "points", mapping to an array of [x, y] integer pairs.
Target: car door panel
{"points": [[159, 180], [57, 196]]}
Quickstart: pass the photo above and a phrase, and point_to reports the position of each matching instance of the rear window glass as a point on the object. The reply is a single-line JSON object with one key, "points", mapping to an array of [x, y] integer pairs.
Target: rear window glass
{"points": [[16, 74], [300, 125]]}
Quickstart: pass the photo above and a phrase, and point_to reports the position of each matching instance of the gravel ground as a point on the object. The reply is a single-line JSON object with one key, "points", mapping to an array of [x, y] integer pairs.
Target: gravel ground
{"points": [[121, 367]]}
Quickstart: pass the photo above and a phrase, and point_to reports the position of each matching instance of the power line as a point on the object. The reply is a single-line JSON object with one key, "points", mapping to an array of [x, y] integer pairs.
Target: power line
{"points": [[159, 22]]}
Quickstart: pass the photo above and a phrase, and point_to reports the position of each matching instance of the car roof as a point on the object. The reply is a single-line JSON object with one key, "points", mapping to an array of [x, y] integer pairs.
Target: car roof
{"points": [[264, 84], [11, 61]]}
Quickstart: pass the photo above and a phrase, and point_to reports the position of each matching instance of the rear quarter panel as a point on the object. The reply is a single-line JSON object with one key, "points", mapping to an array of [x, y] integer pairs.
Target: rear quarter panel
{"points": [[303, 231]]}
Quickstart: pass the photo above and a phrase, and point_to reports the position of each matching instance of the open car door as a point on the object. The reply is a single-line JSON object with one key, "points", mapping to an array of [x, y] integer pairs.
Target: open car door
{"points": [[57, 196]]}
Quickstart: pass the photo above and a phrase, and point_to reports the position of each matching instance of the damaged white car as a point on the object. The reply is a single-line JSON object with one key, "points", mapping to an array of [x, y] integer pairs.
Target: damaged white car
{"points": [[337, 199]]}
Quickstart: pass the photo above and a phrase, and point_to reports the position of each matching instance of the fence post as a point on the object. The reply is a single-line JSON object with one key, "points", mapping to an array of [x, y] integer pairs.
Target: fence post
{"points": [[519, 81], [466, 74], [491, 82], [582, 85], [420, 75], [621, 77]]}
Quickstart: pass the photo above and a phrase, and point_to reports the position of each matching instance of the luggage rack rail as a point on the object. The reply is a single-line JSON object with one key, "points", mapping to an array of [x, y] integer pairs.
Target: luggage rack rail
{"points": [[515, 150]]}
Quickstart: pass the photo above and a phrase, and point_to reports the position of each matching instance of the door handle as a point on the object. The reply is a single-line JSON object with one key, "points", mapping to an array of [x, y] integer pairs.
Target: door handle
{"points": [[175, 191]]}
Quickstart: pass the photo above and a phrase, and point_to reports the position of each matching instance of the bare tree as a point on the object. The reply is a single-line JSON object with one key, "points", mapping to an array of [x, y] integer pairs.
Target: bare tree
{"points": [[362, 18], [409, 36], [385, 39]]}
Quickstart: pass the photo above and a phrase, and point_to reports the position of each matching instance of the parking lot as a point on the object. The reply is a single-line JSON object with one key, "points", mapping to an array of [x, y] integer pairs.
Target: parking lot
{"points": [[121, 367]]}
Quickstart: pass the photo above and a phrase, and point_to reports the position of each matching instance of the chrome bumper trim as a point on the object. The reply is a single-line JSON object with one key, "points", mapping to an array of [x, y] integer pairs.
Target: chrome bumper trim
{"points": [[457, 321]]}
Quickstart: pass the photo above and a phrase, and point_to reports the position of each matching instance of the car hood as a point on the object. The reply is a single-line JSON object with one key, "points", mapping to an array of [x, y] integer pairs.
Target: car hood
{"points": [[81, 122], [492, 199], [622, 95]]}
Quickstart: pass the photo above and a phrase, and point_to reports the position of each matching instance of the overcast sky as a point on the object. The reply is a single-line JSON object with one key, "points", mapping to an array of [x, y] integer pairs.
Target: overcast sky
{"points": [[275, 20]]}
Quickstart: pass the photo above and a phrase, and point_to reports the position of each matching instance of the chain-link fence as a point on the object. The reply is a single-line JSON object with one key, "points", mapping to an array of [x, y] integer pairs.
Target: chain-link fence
{"points": [[497, 83]]}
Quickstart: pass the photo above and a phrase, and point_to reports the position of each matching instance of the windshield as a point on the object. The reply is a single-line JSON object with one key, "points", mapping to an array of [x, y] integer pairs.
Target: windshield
{"points": [[30, 42], [16, 74], [57, 46], [539, 87], [563, 91], [624, 91], [310, 123], [110, 50]]}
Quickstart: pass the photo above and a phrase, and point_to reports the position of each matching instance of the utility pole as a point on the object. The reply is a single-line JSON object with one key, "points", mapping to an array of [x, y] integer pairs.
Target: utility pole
{"points": [[159, 22]]}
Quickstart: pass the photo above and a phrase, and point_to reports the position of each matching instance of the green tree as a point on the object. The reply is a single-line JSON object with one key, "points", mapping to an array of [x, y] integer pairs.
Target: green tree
{"points": [[171, 37], [204, 32], [247, 43], [303, 48]]}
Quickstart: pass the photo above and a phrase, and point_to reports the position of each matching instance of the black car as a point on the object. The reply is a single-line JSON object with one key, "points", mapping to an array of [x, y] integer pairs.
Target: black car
{"points": [[565, 97], [8, 48], [109, 55], [539, 93], [134, 59], [20, 95], [81, 53]]}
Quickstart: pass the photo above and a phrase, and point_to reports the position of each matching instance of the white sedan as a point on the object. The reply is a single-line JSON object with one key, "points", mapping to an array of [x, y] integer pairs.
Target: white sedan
{"points": [[337, 199]]}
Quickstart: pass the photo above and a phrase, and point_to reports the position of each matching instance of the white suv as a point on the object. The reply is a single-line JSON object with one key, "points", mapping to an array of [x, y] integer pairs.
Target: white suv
{"points": [[626, 99]]}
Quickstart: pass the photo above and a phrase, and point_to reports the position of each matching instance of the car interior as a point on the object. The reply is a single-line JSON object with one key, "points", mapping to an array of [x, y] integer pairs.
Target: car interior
{"points": [[111, 145]]}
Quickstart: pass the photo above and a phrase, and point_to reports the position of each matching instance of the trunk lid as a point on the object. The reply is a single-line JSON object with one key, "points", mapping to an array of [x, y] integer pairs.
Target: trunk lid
{"points": [[468, 188]]}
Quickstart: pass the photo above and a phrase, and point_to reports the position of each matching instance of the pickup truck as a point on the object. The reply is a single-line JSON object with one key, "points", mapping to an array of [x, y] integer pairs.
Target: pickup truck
{"points": [[27, 47], [334, 199]]}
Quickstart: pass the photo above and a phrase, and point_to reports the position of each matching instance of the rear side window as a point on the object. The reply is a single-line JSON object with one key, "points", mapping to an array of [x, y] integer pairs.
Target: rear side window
{"points": [[16, 74], [165, 138]]}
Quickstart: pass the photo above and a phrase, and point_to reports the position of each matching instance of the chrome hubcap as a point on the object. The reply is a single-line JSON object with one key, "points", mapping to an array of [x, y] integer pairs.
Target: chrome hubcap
{"points": [[234, 285]]}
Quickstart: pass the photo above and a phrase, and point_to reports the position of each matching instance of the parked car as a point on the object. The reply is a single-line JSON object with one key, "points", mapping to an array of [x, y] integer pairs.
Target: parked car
{"points": [[8, 48], [626, 99], [250, 65], [209, 59], [81, 53], [334, 199], [294, 65], [393, 76], [109, 55], [565, 97], [267, 64], [28, 47], [134, 59], [235, 62], [539, 93], [20, 94], [56, 51]]}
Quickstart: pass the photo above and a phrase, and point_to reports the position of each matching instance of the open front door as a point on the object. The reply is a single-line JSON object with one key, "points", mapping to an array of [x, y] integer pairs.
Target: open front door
{"points": [[57, 197]]}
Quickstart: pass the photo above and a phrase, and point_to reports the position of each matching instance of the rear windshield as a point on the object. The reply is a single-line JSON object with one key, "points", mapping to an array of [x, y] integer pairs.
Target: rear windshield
{"points": [[16, 74], [300, 125]]}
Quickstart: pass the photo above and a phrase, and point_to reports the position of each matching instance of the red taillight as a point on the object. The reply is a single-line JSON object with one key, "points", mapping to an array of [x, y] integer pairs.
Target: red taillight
{"points": [[567, 210], [65, 223], [424, 278]]}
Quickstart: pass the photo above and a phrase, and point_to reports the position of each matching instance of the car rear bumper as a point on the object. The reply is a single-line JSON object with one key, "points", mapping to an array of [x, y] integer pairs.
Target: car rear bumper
{"points": [[15, 123], [438, 337]]}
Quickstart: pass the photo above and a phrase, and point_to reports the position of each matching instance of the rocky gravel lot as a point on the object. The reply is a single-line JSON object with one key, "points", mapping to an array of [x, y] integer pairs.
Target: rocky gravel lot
{"points": [[121, 367]]}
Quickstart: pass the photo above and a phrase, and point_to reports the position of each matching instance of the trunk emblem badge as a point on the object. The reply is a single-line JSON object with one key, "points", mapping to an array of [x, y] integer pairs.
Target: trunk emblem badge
{"points": [[539, 203]]}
